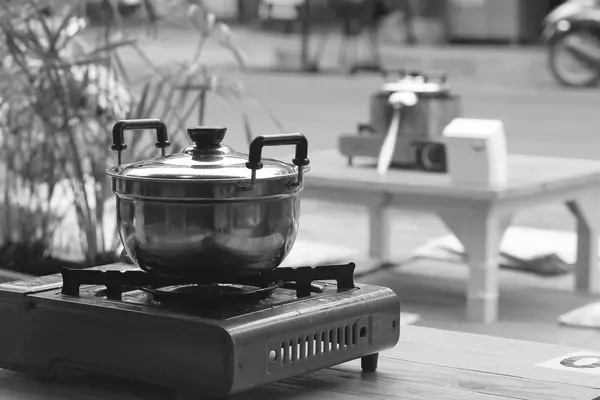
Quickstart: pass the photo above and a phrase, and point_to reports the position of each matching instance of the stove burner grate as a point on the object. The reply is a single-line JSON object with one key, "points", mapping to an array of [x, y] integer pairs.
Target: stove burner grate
{"points": [[118, 282], [221, 292]]}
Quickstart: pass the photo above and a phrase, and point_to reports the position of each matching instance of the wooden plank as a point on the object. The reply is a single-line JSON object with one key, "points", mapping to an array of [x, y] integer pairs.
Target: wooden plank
{"points": [[486, 354], [369, 194], [458, 380], [389, 383], [508, 373], [427, 364], [15, 386], [516, 349], [527, 175], [351, 384]]}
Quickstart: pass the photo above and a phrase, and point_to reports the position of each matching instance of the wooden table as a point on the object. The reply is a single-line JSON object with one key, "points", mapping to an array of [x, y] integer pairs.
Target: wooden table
{"points": [[426, 364], [477, 215]]}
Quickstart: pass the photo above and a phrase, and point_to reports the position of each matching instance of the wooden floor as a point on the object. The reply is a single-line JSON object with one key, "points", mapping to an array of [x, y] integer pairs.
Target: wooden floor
{"points": [[529, 306]]}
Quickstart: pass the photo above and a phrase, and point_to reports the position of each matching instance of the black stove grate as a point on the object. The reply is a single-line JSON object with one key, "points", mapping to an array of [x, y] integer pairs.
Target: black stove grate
{"points": [[118, 282], [197, 295]]}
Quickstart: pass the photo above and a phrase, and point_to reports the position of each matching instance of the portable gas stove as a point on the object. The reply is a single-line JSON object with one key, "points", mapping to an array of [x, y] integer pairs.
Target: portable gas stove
{"points": [[215, 338]]}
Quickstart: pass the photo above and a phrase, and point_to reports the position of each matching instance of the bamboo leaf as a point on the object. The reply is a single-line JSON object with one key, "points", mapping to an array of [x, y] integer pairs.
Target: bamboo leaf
{"points": [[186, 89], [268, 113], [239, 56], [49, 34], [158, 94], [233, 100], [111, 47], [32, 38], [141, 103], [247, 127], [170, 107], [147, 60], [199, 48], [62, 29], [121, 67], [225, 41], [188, 113], [78, 63]]}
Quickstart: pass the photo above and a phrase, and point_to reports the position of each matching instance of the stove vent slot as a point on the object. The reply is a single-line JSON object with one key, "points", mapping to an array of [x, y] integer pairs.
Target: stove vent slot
{"points": [[321, 342]]}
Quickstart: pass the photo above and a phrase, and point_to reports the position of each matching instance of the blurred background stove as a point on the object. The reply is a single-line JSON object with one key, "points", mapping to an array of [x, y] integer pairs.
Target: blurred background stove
{"points": [[416, 129], [214, 337]]}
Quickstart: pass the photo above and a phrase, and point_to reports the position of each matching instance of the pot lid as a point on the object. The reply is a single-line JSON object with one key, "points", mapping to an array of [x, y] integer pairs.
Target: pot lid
{"points": [[418, 83], [206, 159]]}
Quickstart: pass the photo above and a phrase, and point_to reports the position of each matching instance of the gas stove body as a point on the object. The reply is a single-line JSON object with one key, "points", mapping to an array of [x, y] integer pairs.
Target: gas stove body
{"points": [[419, 136], [218, 352]]}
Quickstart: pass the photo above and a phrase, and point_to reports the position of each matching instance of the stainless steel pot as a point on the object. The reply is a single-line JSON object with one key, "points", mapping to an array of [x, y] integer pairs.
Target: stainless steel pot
{"points": [[208, 213]]}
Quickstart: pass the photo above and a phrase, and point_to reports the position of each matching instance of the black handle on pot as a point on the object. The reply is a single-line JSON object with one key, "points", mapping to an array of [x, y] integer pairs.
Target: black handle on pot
{"points": [[300, 159], [162, 140]]}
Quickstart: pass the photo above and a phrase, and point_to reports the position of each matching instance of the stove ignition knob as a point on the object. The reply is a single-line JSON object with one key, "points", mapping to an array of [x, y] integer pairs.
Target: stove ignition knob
{"points": [[272, 356]]}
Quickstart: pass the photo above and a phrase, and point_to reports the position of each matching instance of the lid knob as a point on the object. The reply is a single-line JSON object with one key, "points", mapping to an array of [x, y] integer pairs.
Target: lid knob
{"points": [[206, 136]]}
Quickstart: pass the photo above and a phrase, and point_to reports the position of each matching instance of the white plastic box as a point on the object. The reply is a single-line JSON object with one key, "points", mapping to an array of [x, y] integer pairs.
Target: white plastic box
{"points": [[476, 152]]}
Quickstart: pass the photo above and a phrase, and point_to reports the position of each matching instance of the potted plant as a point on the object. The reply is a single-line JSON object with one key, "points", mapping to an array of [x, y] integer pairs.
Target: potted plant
{"points": [[62, 86]]}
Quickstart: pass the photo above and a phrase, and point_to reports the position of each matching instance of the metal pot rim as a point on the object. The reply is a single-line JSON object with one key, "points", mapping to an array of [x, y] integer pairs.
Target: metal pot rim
{"points": [[209, 190], [114, 172]]}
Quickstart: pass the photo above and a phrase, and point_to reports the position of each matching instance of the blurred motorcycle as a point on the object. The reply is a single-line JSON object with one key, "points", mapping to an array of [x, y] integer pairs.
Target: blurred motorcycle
{"points": [[572, 35]]}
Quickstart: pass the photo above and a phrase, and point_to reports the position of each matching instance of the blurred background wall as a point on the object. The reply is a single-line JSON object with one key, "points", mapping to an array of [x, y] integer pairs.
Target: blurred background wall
{"points": [[429, 21], [433, 21]]}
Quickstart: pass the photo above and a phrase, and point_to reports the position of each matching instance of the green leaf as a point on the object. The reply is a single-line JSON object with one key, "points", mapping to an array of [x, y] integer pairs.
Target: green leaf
{"points": [[149, 108], [170, 108], [192, 108], [78, 63], [147, 60], [158, 93], [49, 34], [186, 89], [247, 127], [60, 33], [199, 48], [111, 47], [141, 103], [33, 39], [121, 67], [225, 41], [268, 112]]}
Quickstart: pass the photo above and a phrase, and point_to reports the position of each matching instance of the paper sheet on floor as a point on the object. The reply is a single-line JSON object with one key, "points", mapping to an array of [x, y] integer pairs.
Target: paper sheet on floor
{"points": [[520, 242], [584, 317]]}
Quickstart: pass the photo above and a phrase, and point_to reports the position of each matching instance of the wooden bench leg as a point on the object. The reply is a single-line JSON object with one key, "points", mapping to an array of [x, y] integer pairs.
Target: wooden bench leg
{"points": [[379, 233], [480, 233], [587, 214]]}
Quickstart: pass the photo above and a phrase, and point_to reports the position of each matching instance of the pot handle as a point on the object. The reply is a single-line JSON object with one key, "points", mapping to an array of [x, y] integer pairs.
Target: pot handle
{"points": [[162, 140], [300, 159]]}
